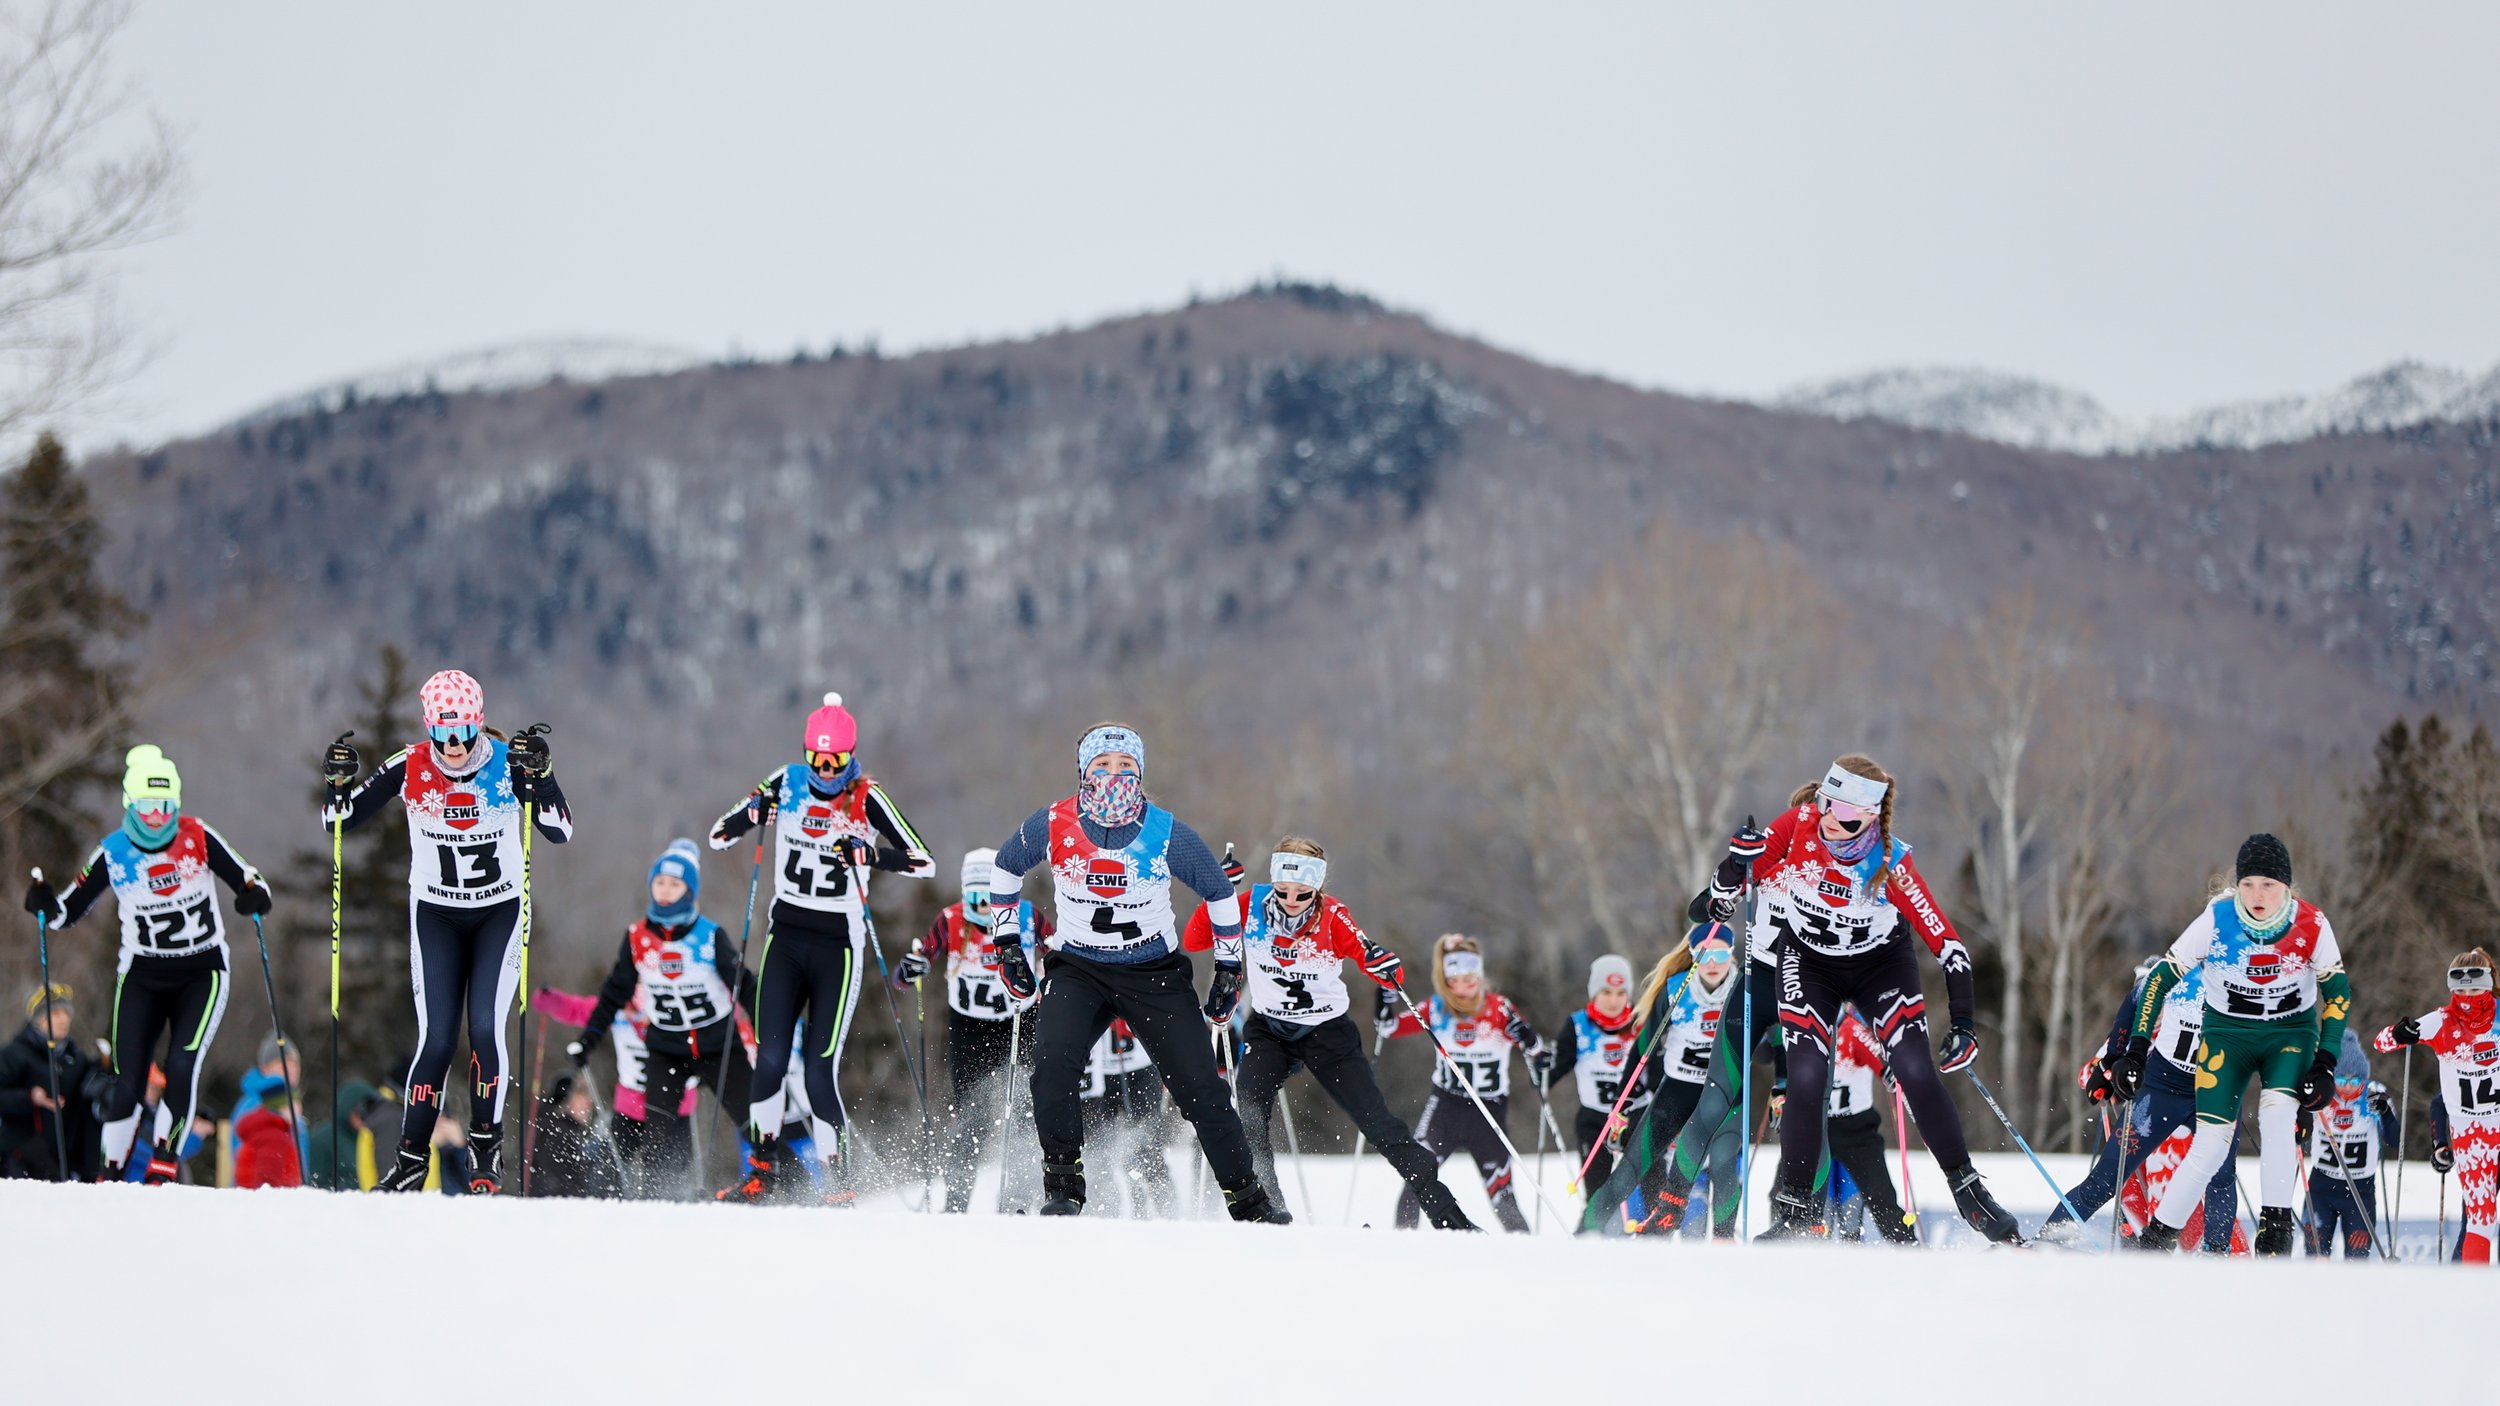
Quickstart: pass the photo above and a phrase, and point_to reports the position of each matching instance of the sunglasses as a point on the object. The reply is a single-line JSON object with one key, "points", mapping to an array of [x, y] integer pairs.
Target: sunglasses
{"points": [[1296, 894], [2466, 976], [828, 761], [460, 736]]}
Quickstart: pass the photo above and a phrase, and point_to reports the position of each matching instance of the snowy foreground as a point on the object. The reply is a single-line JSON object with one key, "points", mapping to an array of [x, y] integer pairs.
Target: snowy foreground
{"points": [[699, 1302]]}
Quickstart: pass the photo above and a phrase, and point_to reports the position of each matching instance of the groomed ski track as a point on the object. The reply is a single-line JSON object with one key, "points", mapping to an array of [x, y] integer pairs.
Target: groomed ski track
{"points": [[382, 1297]]}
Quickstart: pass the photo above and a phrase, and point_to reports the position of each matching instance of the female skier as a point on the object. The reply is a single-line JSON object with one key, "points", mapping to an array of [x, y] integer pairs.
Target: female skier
{"points": [[683, 971], [1297, 939], [2460, 1033], [1479, 1027], [464, 788], [1595, 1047], [1842, 896], [1693, 1058], [163, 867], [2275, 1001], [2165, 1104], [2345, 1139], [830, 822], [1114, 857], [980, 1015]]}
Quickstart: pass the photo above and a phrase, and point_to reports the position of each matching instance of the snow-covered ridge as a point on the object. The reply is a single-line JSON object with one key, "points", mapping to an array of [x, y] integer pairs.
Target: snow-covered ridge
{"points": [[2037, 415], [511, 366]]}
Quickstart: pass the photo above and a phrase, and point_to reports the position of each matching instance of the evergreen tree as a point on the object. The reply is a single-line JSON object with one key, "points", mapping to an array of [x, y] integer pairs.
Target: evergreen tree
{"points": [[65, 690], [377, 1025]]}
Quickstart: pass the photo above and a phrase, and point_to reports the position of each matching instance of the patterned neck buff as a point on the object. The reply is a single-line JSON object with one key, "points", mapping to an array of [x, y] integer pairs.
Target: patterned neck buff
{"points": [[1857, 847], [1112, 801], [2265, 931]]}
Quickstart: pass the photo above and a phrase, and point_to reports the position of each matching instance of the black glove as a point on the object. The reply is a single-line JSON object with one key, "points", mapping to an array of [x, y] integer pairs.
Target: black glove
{"points": [[908, 971], [252, 900], [1233, 872], [2443, 1158], [578, 1052], [1960, 1048], [1015, 972], [340, 763], [1385, 1009], [2126, 1072], [2381, 1104], [1383, 966], [2096, 1083], [529, 752], [1223, 994], [2407, 1031], [580, 1049], [1541, 1067], [2314, 1088], [1743, 849], [1519, 1031], [42, 902]]}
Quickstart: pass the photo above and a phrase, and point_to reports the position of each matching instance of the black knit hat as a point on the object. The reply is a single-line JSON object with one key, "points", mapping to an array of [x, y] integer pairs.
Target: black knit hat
{"points": [[2264, 857]]}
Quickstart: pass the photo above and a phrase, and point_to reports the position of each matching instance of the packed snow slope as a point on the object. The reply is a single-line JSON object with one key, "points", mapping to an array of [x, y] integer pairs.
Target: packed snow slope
{"points": [[661, 1302]]}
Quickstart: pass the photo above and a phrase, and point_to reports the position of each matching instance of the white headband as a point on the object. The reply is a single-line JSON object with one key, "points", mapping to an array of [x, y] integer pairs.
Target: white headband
{"points": [[1850, 789], [1288, 868], [979, 866]]}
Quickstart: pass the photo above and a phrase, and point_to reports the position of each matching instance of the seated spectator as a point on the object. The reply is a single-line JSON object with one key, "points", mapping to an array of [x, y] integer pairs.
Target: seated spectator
{"points": [[31, 1067]]}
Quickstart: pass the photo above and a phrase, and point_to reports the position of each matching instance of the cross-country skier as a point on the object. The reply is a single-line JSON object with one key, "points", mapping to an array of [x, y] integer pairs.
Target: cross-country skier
{"points": [[2460, 1033], [980, 1014], [1114, 858], [1844, 898], [1297, 939], [830, 823], [1124, 1111], [163, 867], [1692, 1079], [2275, 1002], [1479, 1027], [1853, 1123], [464, 787], [2164, 1104], [1595, 1048], [2344, 1140], [684, 971]]}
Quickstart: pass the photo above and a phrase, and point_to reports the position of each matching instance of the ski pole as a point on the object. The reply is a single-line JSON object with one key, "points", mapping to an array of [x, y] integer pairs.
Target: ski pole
{"points": [[51, 1072], [2439, 1247], [1545, 1111], [1468, 1086], [737, 1121], [1007, 1106], [928, 1140], [278, 1028], [1354, 1173], [2118, 1192], [885, 982], [2404, 1106], [1293, 1144], [529, 1107], [1631, 1076], [338, 830], [1901, 1135], [1538, 1226], [1744, 1076], [529, 817], [1993, 1107]]}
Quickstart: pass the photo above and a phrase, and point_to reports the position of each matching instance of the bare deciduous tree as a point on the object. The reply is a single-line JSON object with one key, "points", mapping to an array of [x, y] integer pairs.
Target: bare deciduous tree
{"points": [[84, 172]]}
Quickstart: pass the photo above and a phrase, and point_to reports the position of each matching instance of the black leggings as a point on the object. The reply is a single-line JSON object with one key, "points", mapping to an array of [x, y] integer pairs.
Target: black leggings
{"points": [[1159, 1000], [976, 1050], [1883, 985], [1450, 1123], [806, 971], [1858, 1144], [186, 995], [463, 966], [1333, 1051]]}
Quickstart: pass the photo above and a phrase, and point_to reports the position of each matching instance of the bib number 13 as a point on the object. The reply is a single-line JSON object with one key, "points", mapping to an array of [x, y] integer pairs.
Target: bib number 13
{"points": [[469, 866]]}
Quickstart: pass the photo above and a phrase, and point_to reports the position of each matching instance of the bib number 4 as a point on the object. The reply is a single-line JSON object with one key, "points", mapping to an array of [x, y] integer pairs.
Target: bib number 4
{"points": [[1127, 933]]}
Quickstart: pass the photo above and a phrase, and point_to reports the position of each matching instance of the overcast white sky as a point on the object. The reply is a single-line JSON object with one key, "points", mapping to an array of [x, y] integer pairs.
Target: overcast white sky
{"points": [[2161, 205]]}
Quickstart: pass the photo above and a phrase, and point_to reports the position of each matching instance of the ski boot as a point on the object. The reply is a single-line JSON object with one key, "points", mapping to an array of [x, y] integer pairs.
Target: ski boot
{"points": [[2060, 1232], [1901, 1232], [1662, 1207], [406, 1174], [1795, 1215], [755, 1186], [485, 1160], [1422, 1173], [163, 1166], [2157, 1236], [2274, 1231], [1971, 1198], [1063, 1188], [1251, 1206]]}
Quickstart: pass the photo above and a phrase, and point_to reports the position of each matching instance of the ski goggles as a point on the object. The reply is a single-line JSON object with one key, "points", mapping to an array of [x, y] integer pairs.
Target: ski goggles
{"points": [[1711, 954], [2469, 978], [1844, 795], [453, 734], [153, 813], [828, 761], [1458, 964], [2348, 1089]]}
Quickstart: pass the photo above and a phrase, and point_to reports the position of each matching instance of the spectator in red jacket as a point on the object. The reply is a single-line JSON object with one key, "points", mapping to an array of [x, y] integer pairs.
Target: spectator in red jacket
{"points": [[265, 1144]]}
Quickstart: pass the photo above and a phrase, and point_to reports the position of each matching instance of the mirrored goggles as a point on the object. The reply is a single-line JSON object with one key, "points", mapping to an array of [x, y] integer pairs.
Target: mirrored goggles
{"points": [[1458, 964], [154, 812], [1713, 954], [453, 734], [1841, 810], [828, 761]]}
